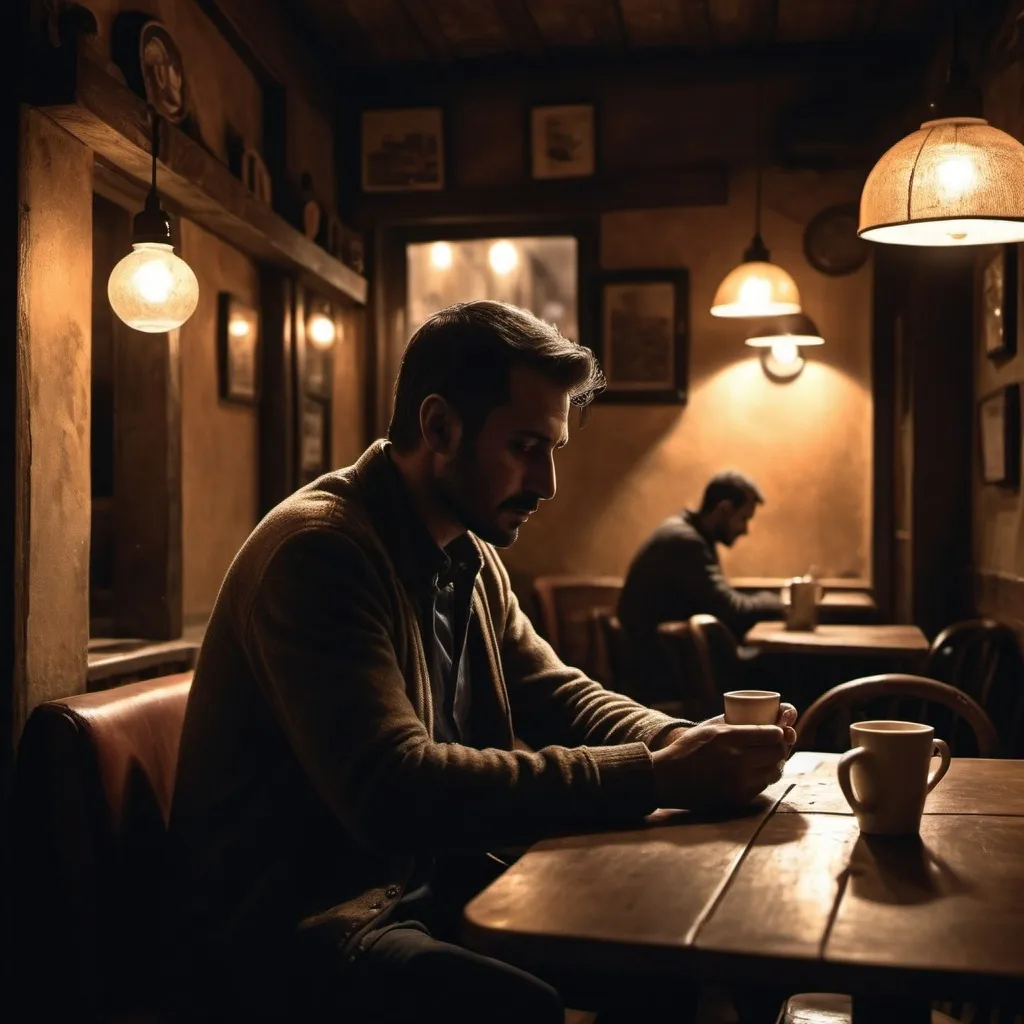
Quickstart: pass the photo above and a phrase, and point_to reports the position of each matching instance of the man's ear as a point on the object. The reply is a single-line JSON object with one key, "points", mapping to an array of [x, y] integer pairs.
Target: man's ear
{"points": [[440, 425], [724, 509]]}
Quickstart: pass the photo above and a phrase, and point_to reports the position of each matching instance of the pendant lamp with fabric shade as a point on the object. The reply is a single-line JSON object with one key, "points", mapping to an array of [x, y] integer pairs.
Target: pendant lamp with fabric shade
{"points": [[757, 287], [955, 181]]}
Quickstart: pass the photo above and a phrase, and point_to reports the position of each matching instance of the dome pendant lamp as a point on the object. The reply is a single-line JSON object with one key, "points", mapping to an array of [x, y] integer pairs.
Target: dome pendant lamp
{"points": [[757, 287], [151, 289], [955, 181]]}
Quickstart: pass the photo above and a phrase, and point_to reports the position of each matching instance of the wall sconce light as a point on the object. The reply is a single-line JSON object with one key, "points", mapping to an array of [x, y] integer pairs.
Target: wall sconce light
{"points": [[503, 257], [441, 255], [151, 289], [320, 330], [780, 341]]}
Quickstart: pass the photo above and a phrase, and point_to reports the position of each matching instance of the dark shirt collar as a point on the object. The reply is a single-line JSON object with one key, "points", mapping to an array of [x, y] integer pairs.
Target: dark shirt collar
{"points": [[692, 518], [419, 561]]}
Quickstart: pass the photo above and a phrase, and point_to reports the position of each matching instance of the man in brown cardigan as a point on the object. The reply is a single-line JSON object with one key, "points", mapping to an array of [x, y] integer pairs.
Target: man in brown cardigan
{"points": [[348, 752]]}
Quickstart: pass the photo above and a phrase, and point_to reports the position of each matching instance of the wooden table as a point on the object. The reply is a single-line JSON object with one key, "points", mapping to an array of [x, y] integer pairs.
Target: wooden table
{"points": [[788, 894], [857, 640]]}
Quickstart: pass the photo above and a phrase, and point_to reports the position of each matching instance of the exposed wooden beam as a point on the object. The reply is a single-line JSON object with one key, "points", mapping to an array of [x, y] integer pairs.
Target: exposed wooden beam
{"points": [[421, 18], [113, 122], [684, 186], [521, 26]]}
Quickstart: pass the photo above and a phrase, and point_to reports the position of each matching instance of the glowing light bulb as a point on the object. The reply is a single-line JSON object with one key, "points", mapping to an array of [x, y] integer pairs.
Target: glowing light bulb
{"points": [[956, 176], [153, 290], [503, 257], [238, 328], [441, 255], [320, 330], [785, 352], [756, 292]]}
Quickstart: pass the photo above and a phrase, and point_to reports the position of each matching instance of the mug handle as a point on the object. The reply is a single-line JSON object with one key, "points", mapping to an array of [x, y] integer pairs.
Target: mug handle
{"points": [[942, 749], [843, 771]]}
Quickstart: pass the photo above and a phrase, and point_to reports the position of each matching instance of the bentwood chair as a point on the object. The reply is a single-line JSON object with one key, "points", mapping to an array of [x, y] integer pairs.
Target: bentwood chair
{"points": [[983, 658], [564, 604], [703, 658]]}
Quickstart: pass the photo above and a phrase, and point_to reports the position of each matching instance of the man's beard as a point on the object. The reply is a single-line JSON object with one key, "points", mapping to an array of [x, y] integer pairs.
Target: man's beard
{"points": [[455, 492]]}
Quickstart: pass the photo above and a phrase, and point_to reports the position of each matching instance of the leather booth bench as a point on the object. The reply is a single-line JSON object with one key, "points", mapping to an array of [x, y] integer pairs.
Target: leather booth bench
{"points": [[90, 803]]}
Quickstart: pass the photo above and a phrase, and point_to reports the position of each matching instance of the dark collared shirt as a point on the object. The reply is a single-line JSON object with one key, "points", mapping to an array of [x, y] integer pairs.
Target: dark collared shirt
{"points": [[445, 599]]}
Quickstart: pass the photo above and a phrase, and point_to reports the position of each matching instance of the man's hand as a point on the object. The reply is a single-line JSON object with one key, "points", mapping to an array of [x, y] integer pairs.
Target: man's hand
{"points": [[714, 764]]}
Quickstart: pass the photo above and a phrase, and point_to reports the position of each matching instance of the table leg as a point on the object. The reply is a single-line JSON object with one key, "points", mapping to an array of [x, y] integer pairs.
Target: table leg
{"points": [[875, 1010]]}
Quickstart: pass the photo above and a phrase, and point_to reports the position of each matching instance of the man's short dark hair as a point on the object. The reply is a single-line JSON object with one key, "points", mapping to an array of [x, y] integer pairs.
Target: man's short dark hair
{"points": [[730, 486], [465, 354]]}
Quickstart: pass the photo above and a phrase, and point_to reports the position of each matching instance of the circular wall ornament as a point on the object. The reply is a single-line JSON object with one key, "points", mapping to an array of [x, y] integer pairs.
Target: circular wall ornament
{"points": [[831, 243], [163, 73]]}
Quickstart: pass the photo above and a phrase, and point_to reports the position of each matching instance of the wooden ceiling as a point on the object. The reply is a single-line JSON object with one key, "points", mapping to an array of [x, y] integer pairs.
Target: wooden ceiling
{"points": [[390, 32]]}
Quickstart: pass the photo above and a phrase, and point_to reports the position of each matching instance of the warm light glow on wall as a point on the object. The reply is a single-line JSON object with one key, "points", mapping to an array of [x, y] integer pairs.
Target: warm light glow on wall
{"points": [[441, 255], [238, 328], [503, 257], [320, 330]]}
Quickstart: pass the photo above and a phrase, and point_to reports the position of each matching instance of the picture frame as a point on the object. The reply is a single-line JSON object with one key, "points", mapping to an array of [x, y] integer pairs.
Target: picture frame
{"points": [[999, 301], [999, 429], [642, 320], [314, 438], [238, 350], [403, 150], [563, 141]]}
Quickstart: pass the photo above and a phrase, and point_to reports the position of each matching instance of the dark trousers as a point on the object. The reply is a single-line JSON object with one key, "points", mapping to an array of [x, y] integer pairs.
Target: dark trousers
{"points": [[406, 975]]}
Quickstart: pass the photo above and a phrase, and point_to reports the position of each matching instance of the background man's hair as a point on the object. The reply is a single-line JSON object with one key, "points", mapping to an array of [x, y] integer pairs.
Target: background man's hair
{"points": [[465, 354], [729, 485]]}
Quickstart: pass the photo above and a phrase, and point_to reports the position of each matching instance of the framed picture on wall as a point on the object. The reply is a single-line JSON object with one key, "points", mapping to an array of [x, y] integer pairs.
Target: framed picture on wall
{"points": [[999, 301], [403, 150], [563, 141], [238, 350], [643, 320], [314, 438], [999, 430]]}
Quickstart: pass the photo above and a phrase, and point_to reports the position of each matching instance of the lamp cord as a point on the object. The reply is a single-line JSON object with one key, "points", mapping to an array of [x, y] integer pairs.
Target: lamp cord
{"points": [[154, 133], [757, 164]]}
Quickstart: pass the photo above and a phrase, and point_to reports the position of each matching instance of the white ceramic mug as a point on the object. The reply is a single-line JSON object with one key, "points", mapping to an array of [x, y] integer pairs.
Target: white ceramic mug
{"points": [[885, 777], [752, 707], [802, 606]]}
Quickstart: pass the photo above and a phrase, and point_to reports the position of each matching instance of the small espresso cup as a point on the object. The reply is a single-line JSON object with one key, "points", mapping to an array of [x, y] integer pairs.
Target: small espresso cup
{"points": [[885, 777], [751, 707]]}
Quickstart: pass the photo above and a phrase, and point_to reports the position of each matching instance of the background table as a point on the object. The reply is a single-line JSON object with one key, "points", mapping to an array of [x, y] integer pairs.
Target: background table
{"points": [[789, 893], [863, 640]]}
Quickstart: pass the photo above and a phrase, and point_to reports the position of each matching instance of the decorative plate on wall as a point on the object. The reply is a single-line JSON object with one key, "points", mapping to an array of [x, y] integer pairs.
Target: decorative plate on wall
{"points": [[831, 244]]}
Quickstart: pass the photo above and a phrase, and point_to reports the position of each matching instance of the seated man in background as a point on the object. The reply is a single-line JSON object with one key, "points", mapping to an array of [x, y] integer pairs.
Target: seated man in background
{"points": [[677, 574], [348, 760]]}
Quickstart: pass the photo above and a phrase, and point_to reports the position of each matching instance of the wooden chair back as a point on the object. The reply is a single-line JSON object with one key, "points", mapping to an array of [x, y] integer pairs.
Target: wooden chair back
{"points": [[983, 658], [703, 657], [896, 696], [610, 660], [564, 604]]}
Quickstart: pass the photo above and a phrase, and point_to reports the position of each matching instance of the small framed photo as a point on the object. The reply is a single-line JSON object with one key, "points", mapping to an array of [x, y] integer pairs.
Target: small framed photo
{"points": [[999, 301], [1000, 433], [403, 150], [238, 350], [314, 438], [644, 333], [563, 141]]}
